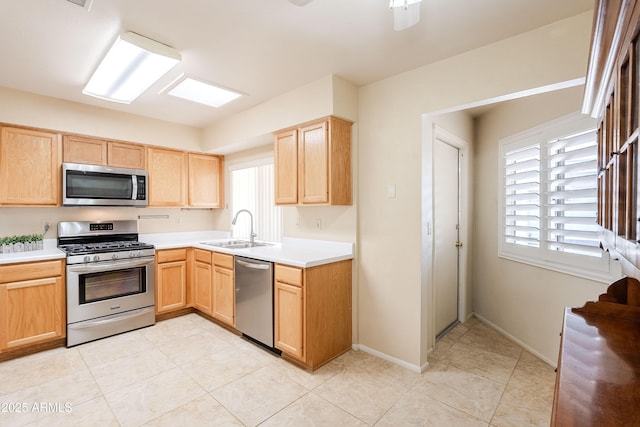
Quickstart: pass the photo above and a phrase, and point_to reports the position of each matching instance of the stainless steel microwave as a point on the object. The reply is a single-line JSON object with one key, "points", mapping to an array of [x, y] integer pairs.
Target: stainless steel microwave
{"points": [[95, 185]]}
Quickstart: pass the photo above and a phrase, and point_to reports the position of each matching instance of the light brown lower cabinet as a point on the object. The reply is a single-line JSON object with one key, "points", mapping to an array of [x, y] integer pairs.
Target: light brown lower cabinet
{"points": [[312, 312], [171, 280], [203, 281], [289, 314], [224, 289], [32, 303]]}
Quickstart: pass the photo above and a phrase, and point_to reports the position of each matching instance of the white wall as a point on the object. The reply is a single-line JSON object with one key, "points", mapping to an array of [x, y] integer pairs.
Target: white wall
{"points": [[254, 127], [390, 112], [525, 302], [27, 109]]}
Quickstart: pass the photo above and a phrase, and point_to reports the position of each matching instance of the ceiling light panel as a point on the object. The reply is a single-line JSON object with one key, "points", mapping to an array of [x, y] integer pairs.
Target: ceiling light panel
{"points": [[132, 65], [203, 93]]}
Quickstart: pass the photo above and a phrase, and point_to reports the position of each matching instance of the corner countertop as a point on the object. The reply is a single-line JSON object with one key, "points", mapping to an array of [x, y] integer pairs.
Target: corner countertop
{"points": [[302, 253], [50, 251]]}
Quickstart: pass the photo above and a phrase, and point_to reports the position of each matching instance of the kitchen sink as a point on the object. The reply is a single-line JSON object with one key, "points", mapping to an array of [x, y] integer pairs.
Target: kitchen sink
{"points": [[236, 244]]}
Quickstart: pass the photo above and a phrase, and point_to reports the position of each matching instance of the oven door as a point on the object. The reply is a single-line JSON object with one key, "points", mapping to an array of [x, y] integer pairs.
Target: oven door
{"points": [[105, 288]]}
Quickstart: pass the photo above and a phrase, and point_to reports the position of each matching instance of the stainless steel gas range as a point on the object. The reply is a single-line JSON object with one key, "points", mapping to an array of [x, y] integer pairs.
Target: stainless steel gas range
{"points": [[110, 279]]}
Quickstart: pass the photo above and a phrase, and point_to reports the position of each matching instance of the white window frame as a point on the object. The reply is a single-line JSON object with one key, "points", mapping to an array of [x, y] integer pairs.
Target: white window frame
{"points": [[244, 165], [593, 268]]}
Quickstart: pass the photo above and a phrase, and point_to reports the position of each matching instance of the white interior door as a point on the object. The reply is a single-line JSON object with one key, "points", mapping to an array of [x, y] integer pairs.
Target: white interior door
{"points": [[446, 233]]}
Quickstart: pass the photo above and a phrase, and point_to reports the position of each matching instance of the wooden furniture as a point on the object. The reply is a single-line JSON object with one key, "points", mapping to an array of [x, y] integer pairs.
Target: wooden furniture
{"points": [[313, 163], [32, 303], [167, 177], [171, 280], [612, 94], [205, 181], [203, 281], [79, 149], [312, 312], [30, 163], [598, 379], [224, 289]]}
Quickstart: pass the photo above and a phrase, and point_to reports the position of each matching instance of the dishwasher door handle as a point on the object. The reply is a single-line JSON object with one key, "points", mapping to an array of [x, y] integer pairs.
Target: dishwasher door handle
{"points": [[253, 265]]}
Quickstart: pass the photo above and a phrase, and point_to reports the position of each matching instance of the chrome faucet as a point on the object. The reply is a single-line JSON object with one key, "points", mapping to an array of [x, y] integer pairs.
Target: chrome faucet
{"points": [[252, 235]]}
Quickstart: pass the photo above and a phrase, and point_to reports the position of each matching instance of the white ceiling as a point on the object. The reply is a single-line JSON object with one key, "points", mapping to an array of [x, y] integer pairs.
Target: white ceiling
{"points": [[261, 48]]}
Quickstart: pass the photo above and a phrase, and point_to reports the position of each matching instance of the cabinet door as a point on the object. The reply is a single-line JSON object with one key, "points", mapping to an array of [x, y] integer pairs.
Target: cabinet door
{"points": [[123, 155], [224, 295], [171, 286], [203, 287], [205, 181], [167, 177], [29, 167], [289, 319], [286, 168], [31, 311], [76, 149], [313, 163]]}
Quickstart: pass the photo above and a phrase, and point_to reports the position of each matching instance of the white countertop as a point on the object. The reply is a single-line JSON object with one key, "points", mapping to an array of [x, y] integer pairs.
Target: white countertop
{"points": [[296, 252], [50, 251]]}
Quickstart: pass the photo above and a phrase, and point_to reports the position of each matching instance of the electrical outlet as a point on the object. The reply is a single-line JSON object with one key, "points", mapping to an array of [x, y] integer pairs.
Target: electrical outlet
{"points": [[318, 223]]}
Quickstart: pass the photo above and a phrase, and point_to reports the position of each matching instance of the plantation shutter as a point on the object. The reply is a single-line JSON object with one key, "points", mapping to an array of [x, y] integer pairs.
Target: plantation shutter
{"points": [[522, 196], [572, 194]]}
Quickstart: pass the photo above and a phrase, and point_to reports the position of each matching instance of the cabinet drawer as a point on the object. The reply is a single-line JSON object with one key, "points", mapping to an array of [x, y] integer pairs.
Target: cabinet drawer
{"points": [[290, 275], [169, 255], [31, 270], [203, 256], [223, 260]]}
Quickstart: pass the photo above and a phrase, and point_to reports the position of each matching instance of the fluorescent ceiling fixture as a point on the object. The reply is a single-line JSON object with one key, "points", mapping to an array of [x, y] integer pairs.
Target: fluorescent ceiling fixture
{"points": [[204, 93], [403, 3], [406, 13], [132, 65]]}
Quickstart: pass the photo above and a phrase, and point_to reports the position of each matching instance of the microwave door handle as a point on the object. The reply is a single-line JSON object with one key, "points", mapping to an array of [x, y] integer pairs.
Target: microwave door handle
{"points": [[134, 187], [108, 265]]}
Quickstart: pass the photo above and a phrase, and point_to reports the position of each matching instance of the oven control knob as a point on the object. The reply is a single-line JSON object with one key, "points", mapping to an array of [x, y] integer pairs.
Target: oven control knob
{"points": [[86, 258], [96, 258], [132, 254], [115, 256]]}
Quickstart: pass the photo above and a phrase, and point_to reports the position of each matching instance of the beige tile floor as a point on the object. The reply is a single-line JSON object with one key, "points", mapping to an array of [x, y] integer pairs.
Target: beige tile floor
{"points": [[190, 372]]}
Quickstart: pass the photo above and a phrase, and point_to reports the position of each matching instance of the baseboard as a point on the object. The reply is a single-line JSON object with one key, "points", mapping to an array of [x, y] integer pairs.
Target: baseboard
{"points": [[515, 340], [394, 360]]}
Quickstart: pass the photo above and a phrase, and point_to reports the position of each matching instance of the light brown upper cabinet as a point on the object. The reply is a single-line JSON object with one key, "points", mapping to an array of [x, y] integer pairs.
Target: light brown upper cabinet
{"points": [[313, 163], [29, 167], [123, 155], [205, 181], [78, 149], [167, 176], [286, 167]]}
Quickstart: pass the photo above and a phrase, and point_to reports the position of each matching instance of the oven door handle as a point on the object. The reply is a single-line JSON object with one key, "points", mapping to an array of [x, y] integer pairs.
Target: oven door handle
{"points": [[116, 318], [108, 265]]}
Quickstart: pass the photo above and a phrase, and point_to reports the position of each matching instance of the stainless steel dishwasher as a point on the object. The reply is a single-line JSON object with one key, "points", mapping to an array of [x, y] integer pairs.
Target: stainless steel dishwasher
{"points": [[254, 299]]}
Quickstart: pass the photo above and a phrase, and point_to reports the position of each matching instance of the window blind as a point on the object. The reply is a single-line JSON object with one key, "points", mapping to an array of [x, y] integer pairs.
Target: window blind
{"points": [[252, 188]]}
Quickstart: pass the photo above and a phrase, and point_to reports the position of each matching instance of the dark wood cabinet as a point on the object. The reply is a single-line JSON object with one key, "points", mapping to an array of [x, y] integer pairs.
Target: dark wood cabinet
{"points": [[598, 380], [612, 95]]}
